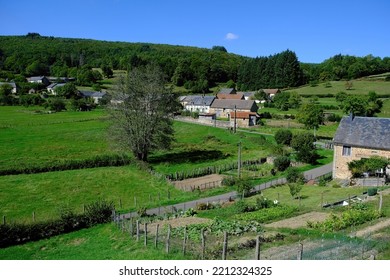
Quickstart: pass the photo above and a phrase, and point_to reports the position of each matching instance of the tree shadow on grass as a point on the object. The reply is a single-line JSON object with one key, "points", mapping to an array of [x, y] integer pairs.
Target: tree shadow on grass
{"points": [[188, 156]]}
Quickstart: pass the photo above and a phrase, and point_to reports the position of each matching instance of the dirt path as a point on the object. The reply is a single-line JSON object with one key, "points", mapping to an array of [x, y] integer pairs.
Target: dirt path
{"points": [[371, 229]]}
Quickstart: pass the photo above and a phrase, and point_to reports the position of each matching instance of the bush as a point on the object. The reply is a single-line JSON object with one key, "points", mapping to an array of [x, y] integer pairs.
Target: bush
{"points": [[283, 136], [372, 191], [228, 181], [244, 187], [282, 163], [96, 213]]}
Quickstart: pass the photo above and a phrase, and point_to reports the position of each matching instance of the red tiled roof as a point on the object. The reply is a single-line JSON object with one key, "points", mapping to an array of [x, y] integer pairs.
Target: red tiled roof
{"points": [[242, 115]]}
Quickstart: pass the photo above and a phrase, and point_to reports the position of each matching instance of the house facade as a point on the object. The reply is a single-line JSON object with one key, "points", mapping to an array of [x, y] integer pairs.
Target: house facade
{"points": [[243, 109], [197, 103], [357, 138]]}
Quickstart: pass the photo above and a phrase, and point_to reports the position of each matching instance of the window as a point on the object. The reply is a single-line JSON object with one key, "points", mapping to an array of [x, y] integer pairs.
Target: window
{"points": [[346, 150]]}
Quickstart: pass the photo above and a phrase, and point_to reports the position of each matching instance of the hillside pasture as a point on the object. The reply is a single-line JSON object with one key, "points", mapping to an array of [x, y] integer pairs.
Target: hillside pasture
{"points": [[361, 86]]}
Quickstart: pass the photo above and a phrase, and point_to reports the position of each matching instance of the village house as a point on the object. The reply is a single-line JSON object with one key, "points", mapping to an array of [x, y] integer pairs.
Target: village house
{"points": [[271, 92], [232, 109], [12, 85], [53, 87], [197, 103], [357, 138], [95, 95], [39, 80]]}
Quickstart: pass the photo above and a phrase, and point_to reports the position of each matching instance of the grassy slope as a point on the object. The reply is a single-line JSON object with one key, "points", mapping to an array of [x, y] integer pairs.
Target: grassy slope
{"points": [[103, 242], [359, 87]]}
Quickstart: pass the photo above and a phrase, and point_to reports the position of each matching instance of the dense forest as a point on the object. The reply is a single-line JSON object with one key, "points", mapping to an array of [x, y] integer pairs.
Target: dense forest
{"points": [[197, 69]]}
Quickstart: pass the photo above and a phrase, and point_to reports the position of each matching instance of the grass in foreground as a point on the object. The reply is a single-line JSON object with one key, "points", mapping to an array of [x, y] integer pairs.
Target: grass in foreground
{"points": [[103, 242]]}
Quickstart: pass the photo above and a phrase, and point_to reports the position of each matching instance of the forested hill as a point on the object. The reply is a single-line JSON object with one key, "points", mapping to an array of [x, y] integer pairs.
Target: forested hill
{"points": [[38, 55], [197, 69]]}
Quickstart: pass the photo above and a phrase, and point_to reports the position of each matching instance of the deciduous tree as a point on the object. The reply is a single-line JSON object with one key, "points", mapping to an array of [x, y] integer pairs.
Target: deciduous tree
{"points": [[141, 112]]}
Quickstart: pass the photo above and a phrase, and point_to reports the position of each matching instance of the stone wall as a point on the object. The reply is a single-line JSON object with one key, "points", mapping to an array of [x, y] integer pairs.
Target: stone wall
{"points": [[340, 162]]}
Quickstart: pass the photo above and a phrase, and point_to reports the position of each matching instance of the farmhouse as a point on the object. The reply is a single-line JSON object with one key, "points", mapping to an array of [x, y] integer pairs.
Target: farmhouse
{"points": [[12, 85], [95, 95], [245, 110], [357, 138], [197, 103], [53, 87], [39, 80], [271, 92]]}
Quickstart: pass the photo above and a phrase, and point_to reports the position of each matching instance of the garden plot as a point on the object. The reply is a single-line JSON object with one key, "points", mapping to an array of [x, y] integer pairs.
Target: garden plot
{"points": [[202, 183]]}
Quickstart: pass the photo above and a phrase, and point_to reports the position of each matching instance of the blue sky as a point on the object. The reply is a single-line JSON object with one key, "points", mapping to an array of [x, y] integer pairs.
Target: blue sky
{"points": [[314, 30]]}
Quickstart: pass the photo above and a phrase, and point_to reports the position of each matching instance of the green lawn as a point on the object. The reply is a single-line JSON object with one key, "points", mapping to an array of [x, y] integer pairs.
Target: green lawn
{"points": [[28, 138]]}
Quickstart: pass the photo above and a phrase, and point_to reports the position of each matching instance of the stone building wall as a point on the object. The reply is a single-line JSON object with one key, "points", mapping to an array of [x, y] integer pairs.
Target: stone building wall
{"points": [[340, 162]]}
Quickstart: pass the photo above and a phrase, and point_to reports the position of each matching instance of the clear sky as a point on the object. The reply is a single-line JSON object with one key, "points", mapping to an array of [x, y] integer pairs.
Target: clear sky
{"points": [[314, 30]]}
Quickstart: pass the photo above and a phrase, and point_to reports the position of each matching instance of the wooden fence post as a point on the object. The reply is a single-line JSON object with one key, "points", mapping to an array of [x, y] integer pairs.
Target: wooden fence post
{"points": [[167, 245], [137, 225], [203, 243], [146, 234], [380, 202], [225, 245], [135, 201], [131, 227], [257, 255], [300, 251], [156, 238], [185, 241]]}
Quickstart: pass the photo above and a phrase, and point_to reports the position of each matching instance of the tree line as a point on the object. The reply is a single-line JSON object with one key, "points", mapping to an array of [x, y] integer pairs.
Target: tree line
{"points": [[196, 69]]}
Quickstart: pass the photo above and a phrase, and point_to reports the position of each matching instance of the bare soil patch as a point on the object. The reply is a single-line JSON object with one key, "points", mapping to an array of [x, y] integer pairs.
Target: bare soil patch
{"points": [[299, 221], [204, 182]]}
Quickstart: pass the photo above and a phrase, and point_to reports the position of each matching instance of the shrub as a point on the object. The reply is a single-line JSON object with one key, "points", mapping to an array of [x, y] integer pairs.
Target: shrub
{"points": [[229, 181], [282, 163], [283, 136], [372, 191], [96, 213], [294, 176], [244, 187], [263, 202]]}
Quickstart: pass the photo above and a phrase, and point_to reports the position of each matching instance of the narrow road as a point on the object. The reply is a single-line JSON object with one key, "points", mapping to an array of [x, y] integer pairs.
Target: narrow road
{"points": [[310, 174]]}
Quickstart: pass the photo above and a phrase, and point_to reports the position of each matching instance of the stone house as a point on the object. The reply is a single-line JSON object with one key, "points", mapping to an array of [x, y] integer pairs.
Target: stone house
{"points": [[237, 96], [245, 110], [197, 103], [357, 138]]}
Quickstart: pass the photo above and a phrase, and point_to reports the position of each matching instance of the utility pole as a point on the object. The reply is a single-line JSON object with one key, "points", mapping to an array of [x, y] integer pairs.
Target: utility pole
{"points": [[235, 118]]}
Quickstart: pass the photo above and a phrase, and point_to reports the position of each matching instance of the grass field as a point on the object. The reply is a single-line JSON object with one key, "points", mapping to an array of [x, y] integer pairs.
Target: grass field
{"points": [[362, 86], [103, 242]]}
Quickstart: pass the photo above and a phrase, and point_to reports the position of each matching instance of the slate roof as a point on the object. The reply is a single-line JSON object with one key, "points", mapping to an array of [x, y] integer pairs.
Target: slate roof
{"points": [[198, 100], [92, 93], [227, 91], [240, 104], [364, 132]]}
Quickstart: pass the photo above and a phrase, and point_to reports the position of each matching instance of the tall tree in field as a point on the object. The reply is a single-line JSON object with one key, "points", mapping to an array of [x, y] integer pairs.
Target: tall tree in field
{"points": [[142, 112], [311, 115]]}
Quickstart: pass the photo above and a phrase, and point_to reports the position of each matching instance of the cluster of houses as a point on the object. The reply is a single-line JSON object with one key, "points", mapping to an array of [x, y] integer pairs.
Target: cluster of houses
{"points": [[53, 83], [227, 104]]}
